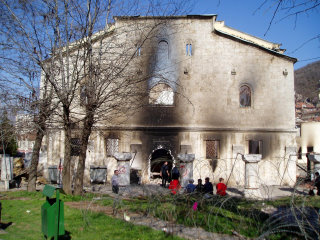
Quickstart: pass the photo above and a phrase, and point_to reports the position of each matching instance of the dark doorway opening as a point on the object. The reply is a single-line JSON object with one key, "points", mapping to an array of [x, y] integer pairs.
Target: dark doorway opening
{"points": [[158, 158]]}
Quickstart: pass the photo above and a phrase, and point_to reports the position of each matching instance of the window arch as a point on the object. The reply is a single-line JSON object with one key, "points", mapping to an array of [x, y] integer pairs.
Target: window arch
{"points": [[245, 94], [161, 94], [188, 49], [163, 50]]}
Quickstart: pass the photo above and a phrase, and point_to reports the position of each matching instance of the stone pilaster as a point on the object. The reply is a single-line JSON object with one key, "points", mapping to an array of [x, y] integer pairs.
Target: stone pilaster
{"points": [[291, 166], [6, 167], [186, 168], [252, 183], [123, 160], [315, 158]]}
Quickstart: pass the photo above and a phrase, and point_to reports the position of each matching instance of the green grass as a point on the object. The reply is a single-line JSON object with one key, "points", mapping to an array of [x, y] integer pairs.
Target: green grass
{"points": [[308, 201], [221, 215], [23, 210]]}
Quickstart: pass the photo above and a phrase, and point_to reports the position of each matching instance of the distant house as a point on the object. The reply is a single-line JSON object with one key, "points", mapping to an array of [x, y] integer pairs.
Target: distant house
{"points": [[306, 112], [308, 138], [223, 93]]}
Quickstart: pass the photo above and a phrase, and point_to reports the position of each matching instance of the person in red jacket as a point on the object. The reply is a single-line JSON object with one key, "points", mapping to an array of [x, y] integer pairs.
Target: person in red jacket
{"points": [[174, 186], [221, 187]]}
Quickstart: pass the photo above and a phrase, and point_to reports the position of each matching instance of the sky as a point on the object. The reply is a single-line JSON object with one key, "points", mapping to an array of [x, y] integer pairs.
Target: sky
{"points": [[292, 33]]}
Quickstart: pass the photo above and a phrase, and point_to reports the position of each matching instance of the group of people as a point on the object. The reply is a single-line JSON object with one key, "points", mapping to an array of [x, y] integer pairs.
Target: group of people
{"points": [[174, 186], [207, 187]]}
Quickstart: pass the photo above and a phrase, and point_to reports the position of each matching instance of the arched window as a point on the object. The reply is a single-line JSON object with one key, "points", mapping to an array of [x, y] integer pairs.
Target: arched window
{"points": [[138, 51], [161, 94], [188, 49], [163, 51], [245, 96]]}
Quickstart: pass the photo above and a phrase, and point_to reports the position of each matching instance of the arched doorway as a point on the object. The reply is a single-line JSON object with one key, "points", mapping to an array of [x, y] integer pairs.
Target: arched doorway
{"points": [[157, 159]]}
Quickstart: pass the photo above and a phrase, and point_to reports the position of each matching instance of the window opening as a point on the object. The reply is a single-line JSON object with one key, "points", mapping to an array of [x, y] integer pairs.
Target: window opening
{"points": [[112, 146], [212, 149], [83, 95], [163, 51], [255, 147], [245, 96], [161, 94], [75, 146], [188, 49], [138, 52]]}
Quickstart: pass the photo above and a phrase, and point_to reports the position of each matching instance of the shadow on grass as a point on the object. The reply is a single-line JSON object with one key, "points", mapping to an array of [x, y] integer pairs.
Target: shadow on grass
{"points": [[236, 191], [66, 236], [3, 226], [292, 190]]}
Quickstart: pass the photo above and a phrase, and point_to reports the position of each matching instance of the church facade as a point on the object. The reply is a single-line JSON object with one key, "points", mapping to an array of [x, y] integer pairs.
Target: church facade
{"points": [[223, 95]]}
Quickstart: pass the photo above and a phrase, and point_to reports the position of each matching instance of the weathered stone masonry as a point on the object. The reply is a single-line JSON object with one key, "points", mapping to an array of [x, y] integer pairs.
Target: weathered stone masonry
{"points": [[201, 106]]}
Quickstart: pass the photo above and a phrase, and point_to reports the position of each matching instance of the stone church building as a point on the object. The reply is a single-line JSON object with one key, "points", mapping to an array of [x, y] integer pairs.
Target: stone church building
{"points": [[224, 103]]}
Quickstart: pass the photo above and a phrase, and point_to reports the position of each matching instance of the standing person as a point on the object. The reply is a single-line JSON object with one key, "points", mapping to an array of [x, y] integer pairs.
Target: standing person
{"points": [[175, 173], [115, 182], [164, 173], [317, 183], [199, 187], [208, 187], [221, 187]]}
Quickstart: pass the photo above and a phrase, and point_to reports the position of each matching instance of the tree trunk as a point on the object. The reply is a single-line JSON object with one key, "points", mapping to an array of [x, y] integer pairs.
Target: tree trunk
{"points": [[34, 161], [66, 176], [35, 155], [87, 128]]}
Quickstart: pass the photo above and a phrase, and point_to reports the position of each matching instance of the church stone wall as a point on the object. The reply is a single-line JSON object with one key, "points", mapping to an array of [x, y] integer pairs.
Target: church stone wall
{"points": [[206, 107]]}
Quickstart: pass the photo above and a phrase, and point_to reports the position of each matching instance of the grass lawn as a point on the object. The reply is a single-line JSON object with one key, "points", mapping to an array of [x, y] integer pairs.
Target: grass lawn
{"points": [[226, 214], [22, 209], [218, 214]]}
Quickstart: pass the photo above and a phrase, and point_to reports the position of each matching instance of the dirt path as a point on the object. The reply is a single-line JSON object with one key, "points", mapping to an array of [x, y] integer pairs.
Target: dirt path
{"points": [[155, 223]]}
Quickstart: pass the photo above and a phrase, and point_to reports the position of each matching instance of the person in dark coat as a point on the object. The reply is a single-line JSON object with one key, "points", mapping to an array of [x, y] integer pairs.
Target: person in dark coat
{"points": [[199, 187], [175, 173], [115, 182], [164, 173], [208, 187]]}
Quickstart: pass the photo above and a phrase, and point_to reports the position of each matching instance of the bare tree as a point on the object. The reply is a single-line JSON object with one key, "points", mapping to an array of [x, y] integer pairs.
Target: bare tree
{"points": [[65, 40], [22, 58], [113, 85], [283, 9]]}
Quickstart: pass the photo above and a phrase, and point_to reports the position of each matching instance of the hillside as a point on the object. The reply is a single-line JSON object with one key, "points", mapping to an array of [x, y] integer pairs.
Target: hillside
{"points": [[306, 81]]}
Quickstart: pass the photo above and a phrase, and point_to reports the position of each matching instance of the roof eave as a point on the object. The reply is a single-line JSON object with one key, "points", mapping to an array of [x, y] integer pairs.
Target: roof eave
{"points": [[294, 60]]}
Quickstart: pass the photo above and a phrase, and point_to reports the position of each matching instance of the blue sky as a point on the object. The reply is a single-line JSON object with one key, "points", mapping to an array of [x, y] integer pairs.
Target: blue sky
{"points": [[245, 16]]}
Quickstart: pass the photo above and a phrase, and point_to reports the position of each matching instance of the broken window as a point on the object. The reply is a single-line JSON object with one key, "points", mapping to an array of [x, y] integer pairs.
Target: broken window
{"points": [[161, 94], [112, 146], [245, 96], [75, 146], [212, 149], [188, 49], [255, 146]]}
